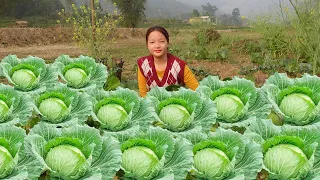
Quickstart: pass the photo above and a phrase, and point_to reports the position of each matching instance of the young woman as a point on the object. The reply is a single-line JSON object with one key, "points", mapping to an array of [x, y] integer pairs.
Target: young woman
{"points": [[161, 68]]}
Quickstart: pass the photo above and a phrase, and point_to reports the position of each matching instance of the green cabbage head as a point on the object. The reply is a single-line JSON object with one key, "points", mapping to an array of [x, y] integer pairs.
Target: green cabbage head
{"points": [[230, 107], [141, 161], [7, 163], [176, 114], [286, 160], [297, 106], [4, 109], [54, 109], [212, 162], [114, 116], [76, 77], [81, 73], [294, 100], [112, 113], [24, 78], [67, 160], [155, 154]]}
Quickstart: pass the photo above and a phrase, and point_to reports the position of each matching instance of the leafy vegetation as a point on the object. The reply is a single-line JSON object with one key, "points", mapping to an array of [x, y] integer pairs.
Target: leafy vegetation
{"points": [[292, 34], [69, 120], [248, 132]]}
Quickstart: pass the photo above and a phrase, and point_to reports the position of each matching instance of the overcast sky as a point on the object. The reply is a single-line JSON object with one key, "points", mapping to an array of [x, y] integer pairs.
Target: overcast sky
{"points": [[247, 7]]}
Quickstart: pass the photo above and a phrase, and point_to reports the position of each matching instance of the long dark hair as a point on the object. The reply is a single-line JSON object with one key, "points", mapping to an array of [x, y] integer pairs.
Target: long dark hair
{"points": [[162, 30]]}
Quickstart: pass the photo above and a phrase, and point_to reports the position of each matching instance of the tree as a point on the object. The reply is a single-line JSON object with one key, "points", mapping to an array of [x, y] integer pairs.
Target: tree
{"points": [[195, 13], [68, 5], [91, 30], [12, 8], [235, 19], [224, 19], [209, 9], [47, 8], [132, 11], [236, 12], [23, 8]]}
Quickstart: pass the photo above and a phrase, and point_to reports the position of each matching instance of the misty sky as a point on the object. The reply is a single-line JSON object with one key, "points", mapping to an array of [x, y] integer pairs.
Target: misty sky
{"points": [[247, 7]]}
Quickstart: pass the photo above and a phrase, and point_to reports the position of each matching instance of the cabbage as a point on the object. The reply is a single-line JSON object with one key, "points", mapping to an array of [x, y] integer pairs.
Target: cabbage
{"points": [[7, 163], [230, 108], [113, 116], [67, 160], [15, 163], [76, 77], [155, 154], [24, 78], [238, 101], [225, 154], [276, 120], [121, 113], [175, 116], [54, 109], [62, 106], [212, 162], [182, 112], [15, 107], [139, 160], [297, 106], [74, 152], [286, 160], [31, 74], [81, 73], [4, 109], [289, 153], [294, 100]]}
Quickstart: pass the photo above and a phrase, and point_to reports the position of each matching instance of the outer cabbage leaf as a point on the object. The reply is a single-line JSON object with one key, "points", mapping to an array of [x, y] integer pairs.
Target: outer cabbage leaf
{"points": [[16, 107], [281, 80], [23, 166], [181, 161]]}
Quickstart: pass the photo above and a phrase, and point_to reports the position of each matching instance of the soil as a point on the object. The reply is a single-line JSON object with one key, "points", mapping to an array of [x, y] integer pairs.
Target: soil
{"points": [[34, 36], [47, 36]]}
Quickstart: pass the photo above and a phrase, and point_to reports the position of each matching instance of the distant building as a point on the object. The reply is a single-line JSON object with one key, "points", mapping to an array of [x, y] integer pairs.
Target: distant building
{"points": [[206, 19]]}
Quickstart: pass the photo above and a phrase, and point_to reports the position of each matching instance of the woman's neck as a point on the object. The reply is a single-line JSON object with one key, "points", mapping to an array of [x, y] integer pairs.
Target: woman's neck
{"points": [[160, 62]]}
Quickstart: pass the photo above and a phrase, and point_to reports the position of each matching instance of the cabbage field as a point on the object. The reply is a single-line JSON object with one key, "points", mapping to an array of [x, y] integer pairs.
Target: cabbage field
{"points": [[57, 122]]}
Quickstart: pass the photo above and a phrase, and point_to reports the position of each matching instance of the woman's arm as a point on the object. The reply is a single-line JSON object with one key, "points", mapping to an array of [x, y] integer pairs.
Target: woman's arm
{"points": [[189, 80], [142, 83]]}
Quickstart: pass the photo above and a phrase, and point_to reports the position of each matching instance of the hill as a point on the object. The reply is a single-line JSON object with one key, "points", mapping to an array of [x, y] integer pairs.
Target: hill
{"points": [[154, 8]]}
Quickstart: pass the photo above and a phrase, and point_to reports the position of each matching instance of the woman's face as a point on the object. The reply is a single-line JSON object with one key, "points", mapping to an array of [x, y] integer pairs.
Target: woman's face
{"points": [[157, 44]]}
